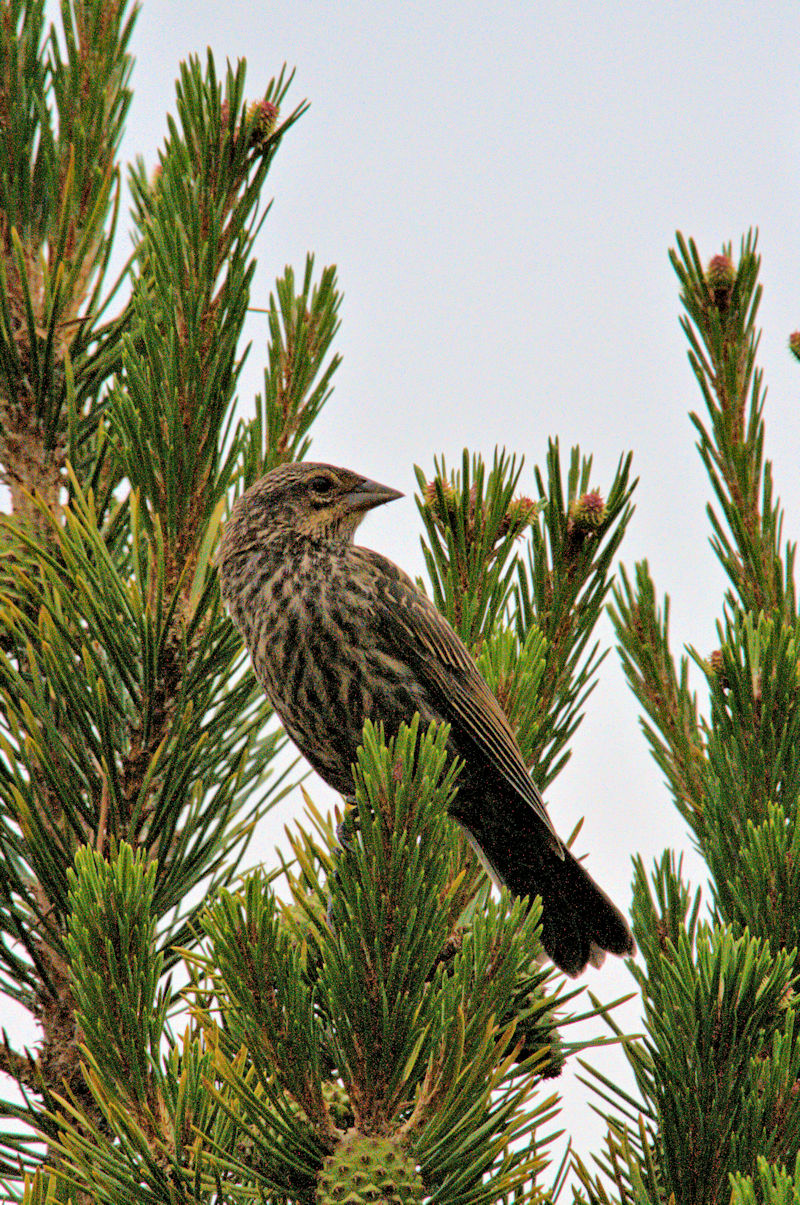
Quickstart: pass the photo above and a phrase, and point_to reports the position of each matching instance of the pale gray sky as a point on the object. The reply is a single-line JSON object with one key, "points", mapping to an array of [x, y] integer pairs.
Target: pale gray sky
{"points": [[499, 186]]}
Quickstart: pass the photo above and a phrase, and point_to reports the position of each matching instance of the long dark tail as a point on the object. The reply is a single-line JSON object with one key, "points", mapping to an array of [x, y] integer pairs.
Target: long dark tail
{"points": [[579, 921]]}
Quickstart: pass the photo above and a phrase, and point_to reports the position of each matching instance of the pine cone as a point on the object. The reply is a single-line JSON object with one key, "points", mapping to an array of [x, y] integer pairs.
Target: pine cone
{"points": [[369, 1169]]}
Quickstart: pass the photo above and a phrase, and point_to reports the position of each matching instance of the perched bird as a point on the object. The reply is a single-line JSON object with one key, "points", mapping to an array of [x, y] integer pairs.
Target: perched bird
{"points": [[339, 634]]}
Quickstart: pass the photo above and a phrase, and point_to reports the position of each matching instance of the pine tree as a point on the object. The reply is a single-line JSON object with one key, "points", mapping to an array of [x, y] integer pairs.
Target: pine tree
{"points": [[358, 1024], [716, 1117]]}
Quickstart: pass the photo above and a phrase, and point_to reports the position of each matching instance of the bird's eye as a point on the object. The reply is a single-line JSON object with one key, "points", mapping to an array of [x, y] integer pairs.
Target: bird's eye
{"points": [[321, 485]]}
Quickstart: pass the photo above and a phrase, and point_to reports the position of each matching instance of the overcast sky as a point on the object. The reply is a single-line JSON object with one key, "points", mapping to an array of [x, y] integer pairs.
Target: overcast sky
{"points": [[499, 190]]}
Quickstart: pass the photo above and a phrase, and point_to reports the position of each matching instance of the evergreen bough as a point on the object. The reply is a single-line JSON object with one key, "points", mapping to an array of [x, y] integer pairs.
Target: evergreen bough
{"points": [[716, 1115]]}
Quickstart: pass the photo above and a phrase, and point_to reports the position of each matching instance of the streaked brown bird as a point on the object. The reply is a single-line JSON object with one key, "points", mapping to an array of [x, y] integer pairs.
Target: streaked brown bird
{"points": [[339, 634]]}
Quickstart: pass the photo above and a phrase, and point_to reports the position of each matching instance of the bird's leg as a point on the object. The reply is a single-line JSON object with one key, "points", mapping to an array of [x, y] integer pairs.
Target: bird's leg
{"points": [[346, 835], [348, 826]]}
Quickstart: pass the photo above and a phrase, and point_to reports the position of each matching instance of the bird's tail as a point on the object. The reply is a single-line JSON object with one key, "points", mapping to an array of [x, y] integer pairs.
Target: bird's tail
{"points": [[579, 921]]}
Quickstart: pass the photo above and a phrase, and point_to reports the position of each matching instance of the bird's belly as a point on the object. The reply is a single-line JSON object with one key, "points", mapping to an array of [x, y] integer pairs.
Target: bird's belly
{"points": [[324, 680]]}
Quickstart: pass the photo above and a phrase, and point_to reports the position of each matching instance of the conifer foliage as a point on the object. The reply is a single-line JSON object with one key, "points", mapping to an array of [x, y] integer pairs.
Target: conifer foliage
{"points": [[364, 1023], [717, 1116]]}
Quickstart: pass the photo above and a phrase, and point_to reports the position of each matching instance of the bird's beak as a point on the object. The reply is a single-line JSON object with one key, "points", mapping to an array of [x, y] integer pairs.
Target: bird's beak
{"points": [[371, 493]]}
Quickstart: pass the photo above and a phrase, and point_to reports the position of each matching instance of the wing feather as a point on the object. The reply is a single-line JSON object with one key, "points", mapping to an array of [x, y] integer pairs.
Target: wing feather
{"points": [[411, 629]]}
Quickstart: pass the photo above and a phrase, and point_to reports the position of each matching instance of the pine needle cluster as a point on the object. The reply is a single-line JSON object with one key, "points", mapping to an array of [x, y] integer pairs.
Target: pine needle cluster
{"points": [[717, 1115]]}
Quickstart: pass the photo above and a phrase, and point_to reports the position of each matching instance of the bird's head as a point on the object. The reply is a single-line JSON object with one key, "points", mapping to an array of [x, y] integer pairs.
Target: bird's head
{"points": [[306, 500]]}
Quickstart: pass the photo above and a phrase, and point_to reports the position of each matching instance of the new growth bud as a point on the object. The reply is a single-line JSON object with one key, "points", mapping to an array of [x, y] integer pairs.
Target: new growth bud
{"points": [[720, 278], [585, 520], [519, 513], [264, 116], [442, 506], [716, 664], [587, 513]]}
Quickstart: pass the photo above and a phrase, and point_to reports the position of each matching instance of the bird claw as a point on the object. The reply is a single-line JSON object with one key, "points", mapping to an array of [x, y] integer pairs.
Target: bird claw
{"points": [[346, 835], [348, 828]]}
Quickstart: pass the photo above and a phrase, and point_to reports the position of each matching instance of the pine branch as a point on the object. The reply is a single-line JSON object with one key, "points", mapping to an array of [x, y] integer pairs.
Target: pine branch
{"points": [[128, 717], [773, 1185], [717, 1071], [197, 223], [563, 591], [718, 1067], [62, 121], [721, 304], [754, 776], [674, 732], [362, 1023], [472, 522], [530, 626], [297, 382]]}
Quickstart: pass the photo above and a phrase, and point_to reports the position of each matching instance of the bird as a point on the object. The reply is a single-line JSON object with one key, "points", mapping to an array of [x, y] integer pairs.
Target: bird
{"points": [[337, 634]]}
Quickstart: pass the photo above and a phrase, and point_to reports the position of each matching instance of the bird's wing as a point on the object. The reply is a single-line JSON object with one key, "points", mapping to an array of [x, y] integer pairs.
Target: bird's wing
{"points": [[410, 628]]}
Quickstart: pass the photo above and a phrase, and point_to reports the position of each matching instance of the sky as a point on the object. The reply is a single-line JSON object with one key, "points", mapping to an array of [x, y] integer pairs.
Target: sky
{"points": [[499, 187]]}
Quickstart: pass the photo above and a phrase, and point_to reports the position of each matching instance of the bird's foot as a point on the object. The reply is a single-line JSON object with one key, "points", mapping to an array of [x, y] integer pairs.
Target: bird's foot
{"points": [[348, 828], [346, 834]]}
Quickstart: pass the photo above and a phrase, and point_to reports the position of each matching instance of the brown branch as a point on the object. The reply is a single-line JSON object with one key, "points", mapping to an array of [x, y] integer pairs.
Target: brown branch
{"points": [[23, 1068]]}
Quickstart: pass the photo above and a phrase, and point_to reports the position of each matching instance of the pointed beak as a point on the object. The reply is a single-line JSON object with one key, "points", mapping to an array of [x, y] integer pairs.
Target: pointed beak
{"points": [[371, 493]]}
